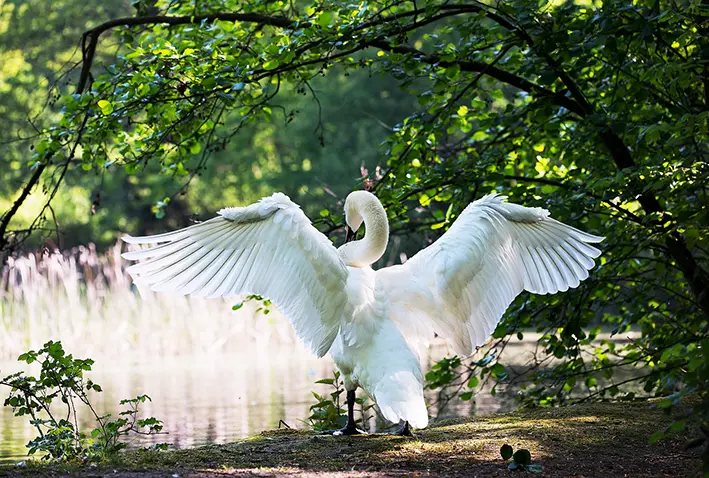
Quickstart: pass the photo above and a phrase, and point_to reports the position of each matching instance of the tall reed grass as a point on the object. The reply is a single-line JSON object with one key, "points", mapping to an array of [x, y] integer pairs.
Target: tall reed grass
{"points": [[89, 302]]}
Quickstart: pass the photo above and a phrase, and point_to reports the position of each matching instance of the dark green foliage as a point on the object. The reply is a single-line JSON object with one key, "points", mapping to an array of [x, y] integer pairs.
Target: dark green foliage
{"points": [[329, 413], [51, 400], [283, 153], [443, 372], [506, 452], [522, 457]]}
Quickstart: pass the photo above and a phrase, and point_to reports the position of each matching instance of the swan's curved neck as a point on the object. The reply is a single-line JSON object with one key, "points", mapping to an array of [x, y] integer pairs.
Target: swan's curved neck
{"points": [[370, 249]]}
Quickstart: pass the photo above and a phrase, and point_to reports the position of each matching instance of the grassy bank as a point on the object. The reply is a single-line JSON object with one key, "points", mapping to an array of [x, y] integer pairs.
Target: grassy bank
{"points": [[584, 440]]}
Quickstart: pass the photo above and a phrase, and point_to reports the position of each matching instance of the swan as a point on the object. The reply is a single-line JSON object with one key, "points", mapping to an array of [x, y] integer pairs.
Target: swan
{"points": [[371, 321]]}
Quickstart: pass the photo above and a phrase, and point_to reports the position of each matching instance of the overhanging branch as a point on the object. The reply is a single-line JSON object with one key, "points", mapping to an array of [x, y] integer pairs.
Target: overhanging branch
{"points": [[487, 69]]}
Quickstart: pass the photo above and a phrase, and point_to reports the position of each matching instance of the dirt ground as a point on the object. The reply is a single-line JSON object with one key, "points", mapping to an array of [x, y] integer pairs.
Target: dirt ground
{"points": [[596, 440]]}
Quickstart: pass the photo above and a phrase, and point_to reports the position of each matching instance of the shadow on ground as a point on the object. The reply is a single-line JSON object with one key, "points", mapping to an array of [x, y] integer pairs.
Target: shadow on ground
{"points": [[603, 440]]}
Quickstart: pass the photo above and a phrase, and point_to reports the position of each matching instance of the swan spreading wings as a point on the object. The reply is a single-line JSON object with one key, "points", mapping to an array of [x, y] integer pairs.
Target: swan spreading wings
{"points": [[369, 321]]}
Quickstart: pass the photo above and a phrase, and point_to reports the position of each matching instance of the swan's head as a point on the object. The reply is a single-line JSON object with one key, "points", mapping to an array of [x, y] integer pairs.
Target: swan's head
{"points": [[362, 206], [354, 204]]}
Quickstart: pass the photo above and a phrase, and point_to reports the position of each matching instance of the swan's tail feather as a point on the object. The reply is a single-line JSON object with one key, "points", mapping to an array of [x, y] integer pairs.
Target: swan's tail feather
{"points": [[400, 397]]}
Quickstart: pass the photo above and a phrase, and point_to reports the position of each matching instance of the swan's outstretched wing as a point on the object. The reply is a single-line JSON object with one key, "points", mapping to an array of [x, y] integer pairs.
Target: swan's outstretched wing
{"points": [[269, 248], [461, 285]]}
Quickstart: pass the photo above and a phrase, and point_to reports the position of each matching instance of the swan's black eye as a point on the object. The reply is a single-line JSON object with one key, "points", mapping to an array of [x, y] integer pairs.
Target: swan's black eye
{"points": [[349, 234]]}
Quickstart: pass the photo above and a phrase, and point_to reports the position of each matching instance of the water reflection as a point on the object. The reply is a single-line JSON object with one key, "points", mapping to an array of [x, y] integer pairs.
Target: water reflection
{"points": [[203, 399], [213, 398]]}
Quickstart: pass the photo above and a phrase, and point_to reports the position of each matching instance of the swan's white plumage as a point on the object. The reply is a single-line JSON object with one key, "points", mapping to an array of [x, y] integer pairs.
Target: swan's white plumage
{"points": [[458, 287], [269, 248]]}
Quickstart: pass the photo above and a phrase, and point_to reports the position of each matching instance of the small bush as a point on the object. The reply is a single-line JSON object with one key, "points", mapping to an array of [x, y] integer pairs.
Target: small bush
{"points": [[51, 400]]}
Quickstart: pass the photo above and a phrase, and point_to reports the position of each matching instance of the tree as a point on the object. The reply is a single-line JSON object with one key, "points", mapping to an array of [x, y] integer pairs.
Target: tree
{"points": [[599, 112]]}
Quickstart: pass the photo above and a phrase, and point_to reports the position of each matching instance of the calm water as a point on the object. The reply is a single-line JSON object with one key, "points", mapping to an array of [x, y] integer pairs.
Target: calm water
{"points": [[213, 399]]}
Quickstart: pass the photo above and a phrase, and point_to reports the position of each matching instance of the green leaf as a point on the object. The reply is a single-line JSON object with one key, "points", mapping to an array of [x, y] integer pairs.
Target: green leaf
{"points": [[271, 64], [498, 370], [677, 425], [106, 106], [522, 457], [506, 452], [325, 19]]}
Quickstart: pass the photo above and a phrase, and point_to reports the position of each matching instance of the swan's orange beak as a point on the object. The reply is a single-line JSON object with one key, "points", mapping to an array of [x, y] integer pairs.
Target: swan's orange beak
{"points": [[349, 234]]}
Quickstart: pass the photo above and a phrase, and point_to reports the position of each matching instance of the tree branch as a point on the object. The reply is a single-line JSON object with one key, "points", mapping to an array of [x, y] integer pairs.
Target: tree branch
{"points": [[487, 69], [7, 217]]}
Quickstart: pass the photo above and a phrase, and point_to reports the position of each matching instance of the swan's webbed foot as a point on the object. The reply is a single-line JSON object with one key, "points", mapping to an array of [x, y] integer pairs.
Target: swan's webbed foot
{"points": [[404, 431], [346, 431], [351, 427]]}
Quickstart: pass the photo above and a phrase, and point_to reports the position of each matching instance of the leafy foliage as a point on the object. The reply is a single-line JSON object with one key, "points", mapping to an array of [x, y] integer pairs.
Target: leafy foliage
{"points": [[596, 111], [506, 452], [264, 307], [98, 204], [330, 413], [521, 459], [61, 379]]}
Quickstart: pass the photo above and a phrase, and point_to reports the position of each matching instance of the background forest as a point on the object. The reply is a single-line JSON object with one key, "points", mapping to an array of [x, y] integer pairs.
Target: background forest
{"points": [[316, 160], [598, 111]]}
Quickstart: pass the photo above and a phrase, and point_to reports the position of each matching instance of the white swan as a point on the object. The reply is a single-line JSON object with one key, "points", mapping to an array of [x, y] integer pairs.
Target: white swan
{"points": [[458, 287]]}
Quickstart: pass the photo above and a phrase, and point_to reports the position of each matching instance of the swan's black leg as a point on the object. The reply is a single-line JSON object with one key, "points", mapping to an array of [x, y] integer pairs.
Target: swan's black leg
{"points": [[404, 431], [351, 427]]}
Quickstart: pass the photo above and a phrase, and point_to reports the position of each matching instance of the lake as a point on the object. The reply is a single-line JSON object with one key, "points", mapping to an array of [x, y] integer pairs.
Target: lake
{"points": [[216, 398]]}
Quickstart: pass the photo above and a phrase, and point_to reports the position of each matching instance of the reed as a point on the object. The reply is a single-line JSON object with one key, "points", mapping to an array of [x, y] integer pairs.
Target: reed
{"points": [[89, 302]]}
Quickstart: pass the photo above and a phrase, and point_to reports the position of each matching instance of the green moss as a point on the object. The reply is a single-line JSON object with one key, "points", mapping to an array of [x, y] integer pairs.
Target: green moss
{"points": [[595, 439]]}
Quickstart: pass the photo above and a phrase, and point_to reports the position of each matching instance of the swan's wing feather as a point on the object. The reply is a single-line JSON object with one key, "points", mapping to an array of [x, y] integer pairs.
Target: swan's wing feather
{"points": [[269, 248], [460, 286]]}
